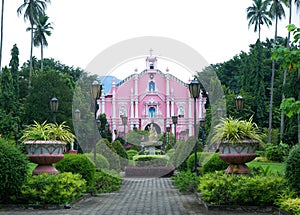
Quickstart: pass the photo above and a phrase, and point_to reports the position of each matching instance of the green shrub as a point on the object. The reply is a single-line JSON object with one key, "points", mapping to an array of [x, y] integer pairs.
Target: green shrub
{"points": [[78, 163], [14, 169], [191, 159], [53, 189], [107, 182], [215, 163], [276, 152], [292, 171], [106, 149], [181, 154], [186, 181], [101, 161], [131, 153], [227, 189], [291, 205], [119, 149], [151, 160]]}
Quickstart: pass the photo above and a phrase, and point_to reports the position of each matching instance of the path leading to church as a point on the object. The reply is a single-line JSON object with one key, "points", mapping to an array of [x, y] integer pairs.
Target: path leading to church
{"points": [[155, 196]]}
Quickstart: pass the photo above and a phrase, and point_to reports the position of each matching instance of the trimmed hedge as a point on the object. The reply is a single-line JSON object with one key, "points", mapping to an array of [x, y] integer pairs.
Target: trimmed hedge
{"points": [[14, 169], [106, 149], [101, 161], [131, 153], [78, 163], [215, 163], [186, 181], [150, 160], [107, 182]]}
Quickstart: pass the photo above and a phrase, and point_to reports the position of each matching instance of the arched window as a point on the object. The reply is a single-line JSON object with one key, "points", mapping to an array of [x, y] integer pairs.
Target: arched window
{"points": [[152, 112], [151, 86], [151, 65]]}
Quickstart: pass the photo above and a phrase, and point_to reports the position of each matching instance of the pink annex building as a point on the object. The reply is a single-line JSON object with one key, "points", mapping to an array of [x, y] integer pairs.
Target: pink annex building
{"points": [[151, 96]]}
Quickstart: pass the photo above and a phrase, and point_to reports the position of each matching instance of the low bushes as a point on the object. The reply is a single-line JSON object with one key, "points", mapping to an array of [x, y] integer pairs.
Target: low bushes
{"points": [[14, 168], [78, 163], [186, 181], [101, 161], [150, 160], [277, 152], [131, 153], [214, 163], [291, 205], [292, 171], [106, 182], [224, 189], [53, 189]]}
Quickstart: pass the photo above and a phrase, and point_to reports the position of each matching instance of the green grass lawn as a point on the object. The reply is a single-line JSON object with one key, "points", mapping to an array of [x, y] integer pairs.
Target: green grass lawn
{"points": [[275, 167]]}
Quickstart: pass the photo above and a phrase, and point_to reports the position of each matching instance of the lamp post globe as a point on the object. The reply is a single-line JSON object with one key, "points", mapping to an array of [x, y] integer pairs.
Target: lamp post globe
{"points": [[54, 107], [175, 121]]}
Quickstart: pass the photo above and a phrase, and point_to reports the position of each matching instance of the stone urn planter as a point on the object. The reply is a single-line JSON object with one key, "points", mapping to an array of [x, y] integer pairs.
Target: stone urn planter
{"points": [[45, 153], [237, 141], [237, 155], [45, 145]]}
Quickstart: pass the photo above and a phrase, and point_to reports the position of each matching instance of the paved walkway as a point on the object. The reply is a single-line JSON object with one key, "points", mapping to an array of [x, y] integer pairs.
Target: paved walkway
{"points": [[155, 196]]}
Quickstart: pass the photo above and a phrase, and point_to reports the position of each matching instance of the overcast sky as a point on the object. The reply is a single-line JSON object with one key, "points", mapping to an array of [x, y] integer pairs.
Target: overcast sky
{"points": [[218, 29]]}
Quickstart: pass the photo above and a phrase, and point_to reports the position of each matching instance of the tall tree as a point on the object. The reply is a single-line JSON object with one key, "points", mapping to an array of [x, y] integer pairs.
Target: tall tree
{"points": [[41, 30], [276, 12], [1, 39], [33, 9], [257, 14]]}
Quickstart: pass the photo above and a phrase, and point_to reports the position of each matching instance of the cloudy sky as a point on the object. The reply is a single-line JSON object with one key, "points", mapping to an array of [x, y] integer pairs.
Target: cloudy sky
{"points": [[218, 29]]}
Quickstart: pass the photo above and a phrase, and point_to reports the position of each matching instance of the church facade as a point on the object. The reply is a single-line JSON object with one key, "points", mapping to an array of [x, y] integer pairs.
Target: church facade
{"points": [[151, 97]]}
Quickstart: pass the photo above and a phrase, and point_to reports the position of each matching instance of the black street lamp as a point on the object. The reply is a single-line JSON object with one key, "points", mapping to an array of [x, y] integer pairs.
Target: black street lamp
{"points": [[194, 88], [77, 119], [54, 107], [175, 120], [96, 93], [239, 104], [124, 122]]}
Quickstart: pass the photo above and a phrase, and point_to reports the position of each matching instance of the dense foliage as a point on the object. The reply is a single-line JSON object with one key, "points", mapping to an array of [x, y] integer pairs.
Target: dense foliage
{"points": [[78, 163], [186, 181], [106, 182], [215, 163], [292, 172], [151, 160], [53, 189], [101, 161], [14, 169]]}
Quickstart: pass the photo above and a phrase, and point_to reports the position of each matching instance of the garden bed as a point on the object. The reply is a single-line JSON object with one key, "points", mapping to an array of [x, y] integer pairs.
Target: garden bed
{"points": [[149, 171]]}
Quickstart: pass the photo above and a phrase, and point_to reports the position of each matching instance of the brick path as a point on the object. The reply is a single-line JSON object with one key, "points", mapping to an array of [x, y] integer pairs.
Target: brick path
{"points": [[156, 196]]}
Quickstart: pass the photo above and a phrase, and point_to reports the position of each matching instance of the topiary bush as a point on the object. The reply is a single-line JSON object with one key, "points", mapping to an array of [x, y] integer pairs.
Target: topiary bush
{"points": [[14, 169], [78, 163], [131, 153], [119, 149], [292, 171], [106, 149], [53, 189], [101, 161], [107, 182], [215, 163]]}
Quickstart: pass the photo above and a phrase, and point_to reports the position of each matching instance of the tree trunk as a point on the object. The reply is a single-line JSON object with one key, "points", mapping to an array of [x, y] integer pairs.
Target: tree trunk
{"points": [[1, 40], [42, 57], [30, 67], [284, 75], [272, 88], [298, 114]]}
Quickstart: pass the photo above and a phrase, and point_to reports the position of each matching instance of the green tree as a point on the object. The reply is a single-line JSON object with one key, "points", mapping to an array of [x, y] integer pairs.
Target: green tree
{"points": [[1, 36], [257, 15], [41, 30], [33, 9]]}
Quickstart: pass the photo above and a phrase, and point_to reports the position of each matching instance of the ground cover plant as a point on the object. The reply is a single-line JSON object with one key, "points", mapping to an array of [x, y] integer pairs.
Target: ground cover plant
{"points": [[186, 181]]}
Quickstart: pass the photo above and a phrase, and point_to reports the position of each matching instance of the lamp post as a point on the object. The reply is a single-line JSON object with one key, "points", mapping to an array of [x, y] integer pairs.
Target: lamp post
{"points": [[77, 118], [124, 122], [54, 107], [168, 131], [194, 88], [96, 93], [202, 124], [175, 120], [239, 104]]}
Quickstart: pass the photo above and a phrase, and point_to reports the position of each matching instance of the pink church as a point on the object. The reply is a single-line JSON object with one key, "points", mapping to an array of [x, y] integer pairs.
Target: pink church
{"points": [[151, 96]]}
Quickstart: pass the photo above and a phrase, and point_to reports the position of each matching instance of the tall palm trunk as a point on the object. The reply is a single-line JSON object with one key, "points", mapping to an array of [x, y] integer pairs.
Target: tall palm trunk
{"points": [[42, 56], [272, 87], [284, 74], [1, 40], [30, 64], [298, 114]]}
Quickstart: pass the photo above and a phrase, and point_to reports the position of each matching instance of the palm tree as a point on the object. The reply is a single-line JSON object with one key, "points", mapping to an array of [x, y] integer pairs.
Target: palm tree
{"points": [[41, 30], [33, 9], [276, 12], [258, 15], [1, 40]]}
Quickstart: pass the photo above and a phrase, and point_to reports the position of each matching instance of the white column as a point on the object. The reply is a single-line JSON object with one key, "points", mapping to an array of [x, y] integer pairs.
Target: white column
{"points": [[103, 105], [168, 108], [131, 109], [172, 108]]}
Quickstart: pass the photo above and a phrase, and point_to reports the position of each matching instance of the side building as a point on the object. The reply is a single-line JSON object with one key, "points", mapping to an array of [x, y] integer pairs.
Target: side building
{"points": [[151, 97]]}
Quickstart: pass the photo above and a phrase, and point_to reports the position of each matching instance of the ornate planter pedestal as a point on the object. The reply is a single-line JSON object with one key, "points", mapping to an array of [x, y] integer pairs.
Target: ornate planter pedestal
{"points": [[45, 153], [237, 155]]}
